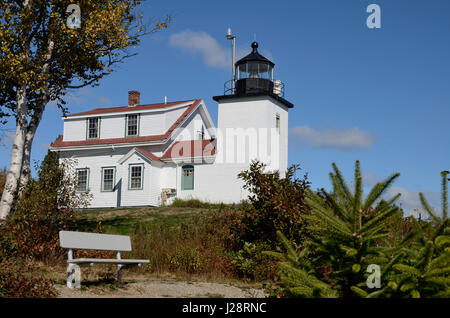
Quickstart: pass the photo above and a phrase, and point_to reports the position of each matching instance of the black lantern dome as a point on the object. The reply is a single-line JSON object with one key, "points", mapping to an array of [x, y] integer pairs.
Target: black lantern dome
{"points": [[255, 57], [254, 77], [254, 73]]}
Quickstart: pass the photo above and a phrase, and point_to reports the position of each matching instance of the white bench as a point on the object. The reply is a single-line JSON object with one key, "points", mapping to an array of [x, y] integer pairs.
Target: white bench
{"points": [[93, 241]]}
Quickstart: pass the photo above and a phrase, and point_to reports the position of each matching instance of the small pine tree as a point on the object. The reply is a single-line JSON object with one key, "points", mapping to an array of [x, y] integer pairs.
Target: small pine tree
{"points": [[297, 275], [347, 229], [423, 268]]}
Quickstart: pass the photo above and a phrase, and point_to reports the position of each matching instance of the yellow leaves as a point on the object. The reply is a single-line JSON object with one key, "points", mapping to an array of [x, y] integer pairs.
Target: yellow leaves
{"points": [[106, 28]]}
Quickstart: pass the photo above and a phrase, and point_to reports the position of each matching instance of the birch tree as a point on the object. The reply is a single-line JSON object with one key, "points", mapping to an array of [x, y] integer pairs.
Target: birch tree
{"points": [[49, 47]]}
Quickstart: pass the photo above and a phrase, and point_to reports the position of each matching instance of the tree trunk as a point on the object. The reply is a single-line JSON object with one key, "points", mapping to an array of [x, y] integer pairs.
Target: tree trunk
{"points": [[29, 137], [26, 169], [15, 165], [34, 124]]}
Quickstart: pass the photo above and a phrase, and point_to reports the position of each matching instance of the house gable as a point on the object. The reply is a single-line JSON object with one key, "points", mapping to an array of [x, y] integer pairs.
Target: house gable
{"points": [[142, 154]]}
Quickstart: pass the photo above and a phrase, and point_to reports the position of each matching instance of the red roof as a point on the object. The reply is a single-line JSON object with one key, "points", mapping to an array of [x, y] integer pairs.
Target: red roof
{"points": [[59, 143], [190, 149], [98, 111], [148, 154]]}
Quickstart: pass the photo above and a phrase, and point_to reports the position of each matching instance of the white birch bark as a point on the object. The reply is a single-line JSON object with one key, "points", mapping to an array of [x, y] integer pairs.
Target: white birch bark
{"points": [[15, 165], [34, 124], [29, 137]]}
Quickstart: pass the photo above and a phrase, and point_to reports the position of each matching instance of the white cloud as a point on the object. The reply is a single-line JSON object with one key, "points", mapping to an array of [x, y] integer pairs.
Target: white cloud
{"points": [[203, 44], [410, 201], [335, 139]]}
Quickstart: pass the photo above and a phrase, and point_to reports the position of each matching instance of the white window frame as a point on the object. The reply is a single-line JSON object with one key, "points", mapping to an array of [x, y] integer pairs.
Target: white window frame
{"points": [[103, 179], [130, 172], [88, 128], [127, 125], [87, 180]]}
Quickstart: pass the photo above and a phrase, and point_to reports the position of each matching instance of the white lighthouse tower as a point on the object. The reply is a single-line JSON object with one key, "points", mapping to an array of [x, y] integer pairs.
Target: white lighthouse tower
{"points": [[253, 117]]}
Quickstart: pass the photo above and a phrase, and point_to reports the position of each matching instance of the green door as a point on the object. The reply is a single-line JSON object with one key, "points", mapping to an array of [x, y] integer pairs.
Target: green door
{"points": [[187, 178]]}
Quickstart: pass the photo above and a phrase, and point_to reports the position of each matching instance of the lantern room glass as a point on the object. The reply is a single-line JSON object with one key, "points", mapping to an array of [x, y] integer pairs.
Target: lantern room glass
{"points": [[254, 70]]}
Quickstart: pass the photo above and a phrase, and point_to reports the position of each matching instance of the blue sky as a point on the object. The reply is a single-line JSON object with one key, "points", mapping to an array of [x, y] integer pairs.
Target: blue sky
{"points": [[381, 96]]}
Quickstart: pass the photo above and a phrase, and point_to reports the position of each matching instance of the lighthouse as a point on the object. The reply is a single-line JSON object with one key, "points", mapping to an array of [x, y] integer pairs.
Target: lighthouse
{"points": [[253, 116]]}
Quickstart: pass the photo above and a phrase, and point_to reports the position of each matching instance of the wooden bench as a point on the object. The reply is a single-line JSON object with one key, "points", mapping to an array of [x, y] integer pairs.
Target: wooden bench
{"points": [[93, 241]]}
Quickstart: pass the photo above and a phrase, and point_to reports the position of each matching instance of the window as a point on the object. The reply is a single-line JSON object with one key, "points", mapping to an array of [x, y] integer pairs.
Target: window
{"points": [[136, 177], [108, 179], [82, 180], [277, 123], [93, 128], [187, 178], [132, 127]]}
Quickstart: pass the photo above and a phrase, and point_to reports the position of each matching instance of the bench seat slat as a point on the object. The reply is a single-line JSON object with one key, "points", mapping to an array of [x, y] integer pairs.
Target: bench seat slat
{"points": [[107, 261]]}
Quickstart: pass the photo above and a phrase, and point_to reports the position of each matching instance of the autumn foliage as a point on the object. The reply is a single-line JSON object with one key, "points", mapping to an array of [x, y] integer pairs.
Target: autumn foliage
{"points": [[47, 206], [277, 203], [20, 280]]}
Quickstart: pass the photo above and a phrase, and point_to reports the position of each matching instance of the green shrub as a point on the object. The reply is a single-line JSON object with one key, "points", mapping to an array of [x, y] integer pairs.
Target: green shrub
{"points": [[188, 260], [276, 204], [252, 263]]}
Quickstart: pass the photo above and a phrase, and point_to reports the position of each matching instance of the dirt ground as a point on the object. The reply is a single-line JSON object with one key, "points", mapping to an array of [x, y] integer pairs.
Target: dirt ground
{"points": [[158, 288]]}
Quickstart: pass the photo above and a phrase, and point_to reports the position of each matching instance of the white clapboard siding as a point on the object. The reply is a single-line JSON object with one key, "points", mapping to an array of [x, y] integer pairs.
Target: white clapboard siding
{"points": [[95, 160], [173, 115], [112, 127], [192, 128], [74, 129], [152, 124]]}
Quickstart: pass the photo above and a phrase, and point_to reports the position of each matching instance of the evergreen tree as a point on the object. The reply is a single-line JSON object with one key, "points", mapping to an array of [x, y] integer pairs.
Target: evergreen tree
{"points": [[349, 233], [297, 273], [345, 235], [422, 268], [347, 229]]}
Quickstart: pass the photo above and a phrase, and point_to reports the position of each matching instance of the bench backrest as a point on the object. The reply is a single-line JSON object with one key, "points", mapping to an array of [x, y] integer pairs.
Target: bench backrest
{"points": [[94, 241]]}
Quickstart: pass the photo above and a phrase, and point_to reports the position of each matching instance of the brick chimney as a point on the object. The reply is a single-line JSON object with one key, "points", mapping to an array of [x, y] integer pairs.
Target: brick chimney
{"points": [[133, 98]]}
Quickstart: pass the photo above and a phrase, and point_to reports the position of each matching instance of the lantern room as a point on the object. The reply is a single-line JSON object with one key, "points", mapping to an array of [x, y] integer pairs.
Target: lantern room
{"points": [[254, 73]]}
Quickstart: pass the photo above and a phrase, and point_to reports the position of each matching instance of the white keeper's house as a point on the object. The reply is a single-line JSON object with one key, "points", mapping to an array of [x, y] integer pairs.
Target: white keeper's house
{"points": [[149, 154]]}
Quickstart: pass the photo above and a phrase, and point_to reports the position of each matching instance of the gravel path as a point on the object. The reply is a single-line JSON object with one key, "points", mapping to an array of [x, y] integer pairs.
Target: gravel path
{"points": [[161, 289]]}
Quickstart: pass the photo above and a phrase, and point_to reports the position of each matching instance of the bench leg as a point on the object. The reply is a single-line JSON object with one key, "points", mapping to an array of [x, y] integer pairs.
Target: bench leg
{"points": [[73, 276], [119, 273]]}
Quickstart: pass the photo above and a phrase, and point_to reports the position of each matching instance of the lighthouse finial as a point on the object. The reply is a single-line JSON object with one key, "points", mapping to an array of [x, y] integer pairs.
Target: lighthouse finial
{"points": [[255, 47]]}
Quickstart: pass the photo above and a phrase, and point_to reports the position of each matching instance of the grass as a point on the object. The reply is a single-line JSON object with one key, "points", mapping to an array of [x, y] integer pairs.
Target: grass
{"points": [[196, 204], [126, 221]]}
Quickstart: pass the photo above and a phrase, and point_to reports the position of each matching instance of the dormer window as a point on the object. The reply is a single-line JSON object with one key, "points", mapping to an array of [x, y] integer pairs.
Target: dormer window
{"points": [[93, 131], [132, 125]]}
